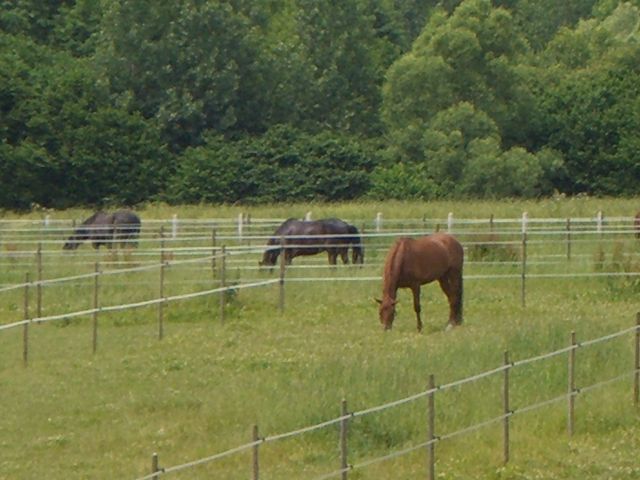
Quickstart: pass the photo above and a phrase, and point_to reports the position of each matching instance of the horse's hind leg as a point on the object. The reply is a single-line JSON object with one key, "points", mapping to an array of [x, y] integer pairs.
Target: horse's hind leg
{"points": [[344, 254], [451, 285], [416, 305]]}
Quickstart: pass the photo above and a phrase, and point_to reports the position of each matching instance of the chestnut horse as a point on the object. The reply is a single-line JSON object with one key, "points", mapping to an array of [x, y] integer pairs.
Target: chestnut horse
{"points": [[412, 262]]}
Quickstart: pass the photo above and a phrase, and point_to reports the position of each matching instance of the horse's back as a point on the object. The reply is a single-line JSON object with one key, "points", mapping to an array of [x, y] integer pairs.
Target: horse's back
{"points": [[426, 259]]}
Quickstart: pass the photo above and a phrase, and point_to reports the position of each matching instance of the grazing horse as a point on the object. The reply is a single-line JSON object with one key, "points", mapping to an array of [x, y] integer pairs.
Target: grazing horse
{"points": [[636, 224], [102, 228], [412, 262], [301, 237]]}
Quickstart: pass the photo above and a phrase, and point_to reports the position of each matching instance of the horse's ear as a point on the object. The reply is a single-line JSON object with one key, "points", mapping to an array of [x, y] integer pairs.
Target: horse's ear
{"points": [[378, 301]]}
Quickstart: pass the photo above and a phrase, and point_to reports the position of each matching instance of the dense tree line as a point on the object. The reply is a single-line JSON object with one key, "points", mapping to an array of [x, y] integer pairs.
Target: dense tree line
{"points": [[126, 101]]}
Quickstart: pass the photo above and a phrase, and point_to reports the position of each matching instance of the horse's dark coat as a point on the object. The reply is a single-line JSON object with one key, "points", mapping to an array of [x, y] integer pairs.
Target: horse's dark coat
{"points": [[412, 262], [311, 237], [121, 227]]}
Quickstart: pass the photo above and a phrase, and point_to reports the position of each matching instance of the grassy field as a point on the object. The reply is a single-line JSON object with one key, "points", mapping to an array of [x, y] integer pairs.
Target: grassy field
{"points": [[199, 391]]}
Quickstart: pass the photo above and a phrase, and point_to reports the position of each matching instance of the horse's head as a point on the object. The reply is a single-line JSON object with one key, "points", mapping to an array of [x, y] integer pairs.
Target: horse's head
{"points": [[71, 244], [74, 241], [269, 258], [387, 312]]}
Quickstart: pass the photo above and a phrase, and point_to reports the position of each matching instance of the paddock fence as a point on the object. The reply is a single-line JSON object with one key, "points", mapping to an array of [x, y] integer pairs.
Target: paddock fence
{"points": [[432, 435], [521, 249]]}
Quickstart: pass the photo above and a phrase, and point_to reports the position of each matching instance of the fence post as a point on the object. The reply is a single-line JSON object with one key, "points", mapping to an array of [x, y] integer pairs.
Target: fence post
{"points": [[161, 291], [571, 385], [568, 239], [523, 292], [507, 410], [247, 220], [283, 262], [240, 222], [96, 286], [174, 226], [213, 251], [450, 222], [344, 426], [599, 221], [431, 416], [256, 464], [378, 221], [636, 383], [39, 283], [223, 270], [154, 466], [25, 327], [491, 223], [307, 216]]}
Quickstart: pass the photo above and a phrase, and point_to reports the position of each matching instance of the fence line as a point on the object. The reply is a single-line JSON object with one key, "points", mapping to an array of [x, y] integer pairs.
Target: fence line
{"points": [[426, 393]]}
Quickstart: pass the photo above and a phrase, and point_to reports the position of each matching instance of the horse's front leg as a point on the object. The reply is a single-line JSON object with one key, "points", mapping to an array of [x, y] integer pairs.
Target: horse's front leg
{"points": [[416, 305], [344, 254], [332, 255]]}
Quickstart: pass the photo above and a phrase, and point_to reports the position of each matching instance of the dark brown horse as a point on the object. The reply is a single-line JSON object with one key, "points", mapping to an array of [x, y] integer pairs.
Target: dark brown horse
{"points": [[414, 262], [102, 228], [300, 237]]}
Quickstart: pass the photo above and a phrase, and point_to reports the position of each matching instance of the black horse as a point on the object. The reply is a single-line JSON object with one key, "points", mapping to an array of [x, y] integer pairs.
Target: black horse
{"points": [[102, 228], [330, 235]]}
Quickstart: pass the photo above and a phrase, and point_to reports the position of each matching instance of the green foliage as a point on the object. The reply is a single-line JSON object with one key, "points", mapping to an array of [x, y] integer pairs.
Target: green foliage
{"points": [[475, 97], [402, 182], [282, 165]]}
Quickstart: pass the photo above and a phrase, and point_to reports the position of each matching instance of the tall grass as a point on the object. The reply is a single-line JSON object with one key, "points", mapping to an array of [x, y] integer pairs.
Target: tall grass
{"points": [[71, 414]]}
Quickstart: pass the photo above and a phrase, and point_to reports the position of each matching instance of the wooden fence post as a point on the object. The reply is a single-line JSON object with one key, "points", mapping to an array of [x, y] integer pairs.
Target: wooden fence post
{"points": [[506, 409], [283, 262], [568, 239], [491, 226], [154, 466], [523, 291], [213, 251], [636, 382], [223, 270], [344, 426], [161, 291], [571, 385], [256, 463], [96, 286], [431, 417], [39, 279], [25, 327]]}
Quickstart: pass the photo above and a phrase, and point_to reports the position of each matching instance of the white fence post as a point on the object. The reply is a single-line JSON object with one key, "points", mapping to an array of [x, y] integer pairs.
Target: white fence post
{"points": [[174, 226], [240, 224], [307, 216], [525, 222], [599, 221], [378, 221], [450, 222]]}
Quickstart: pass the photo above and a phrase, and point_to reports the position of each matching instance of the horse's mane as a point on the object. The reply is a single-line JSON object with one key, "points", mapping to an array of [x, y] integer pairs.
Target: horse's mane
{"points": [[394, 264], [90, 220]]}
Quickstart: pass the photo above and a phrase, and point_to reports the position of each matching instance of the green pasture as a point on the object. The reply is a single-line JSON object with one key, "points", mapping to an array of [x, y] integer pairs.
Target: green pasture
{"points": [[200, 390]]}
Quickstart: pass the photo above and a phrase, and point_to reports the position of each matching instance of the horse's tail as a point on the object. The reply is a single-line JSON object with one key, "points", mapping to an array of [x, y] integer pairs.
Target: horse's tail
{"points": [[458, 303]]}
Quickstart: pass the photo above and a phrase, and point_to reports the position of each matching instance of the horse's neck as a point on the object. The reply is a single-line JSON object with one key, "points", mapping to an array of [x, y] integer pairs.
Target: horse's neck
{"points": [[392, 271]]}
